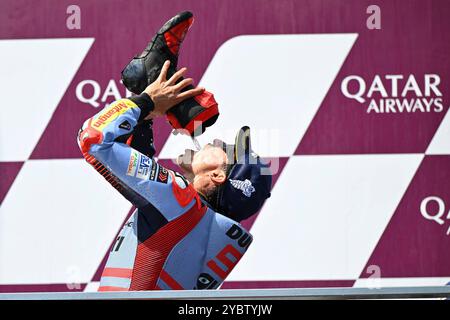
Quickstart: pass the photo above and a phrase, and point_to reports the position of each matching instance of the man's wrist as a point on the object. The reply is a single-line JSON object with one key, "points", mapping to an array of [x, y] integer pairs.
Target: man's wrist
{"points": [[145, 103]]}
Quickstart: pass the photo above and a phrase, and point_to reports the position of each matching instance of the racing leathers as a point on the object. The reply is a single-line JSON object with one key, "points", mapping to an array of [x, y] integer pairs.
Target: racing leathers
{"points": [[174, 239]]}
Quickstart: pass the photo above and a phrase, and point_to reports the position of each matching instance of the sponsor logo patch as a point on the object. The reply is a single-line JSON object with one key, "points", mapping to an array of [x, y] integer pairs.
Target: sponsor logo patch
{"points": [[132, 164], [111, 113], [245, 186], [163, 175], [143, 171], [205, 281], [125, 125], [153, 172]]}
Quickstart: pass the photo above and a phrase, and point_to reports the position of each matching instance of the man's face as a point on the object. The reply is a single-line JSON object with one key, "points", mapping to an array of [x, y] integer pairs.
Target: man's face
{"points": [[210, 157]]}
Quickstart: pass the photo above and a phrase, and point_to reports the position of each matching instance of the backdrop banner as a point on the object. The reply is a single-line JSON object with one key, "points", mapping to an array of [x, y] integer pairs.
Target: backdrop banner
{"points": [[349, 101]]}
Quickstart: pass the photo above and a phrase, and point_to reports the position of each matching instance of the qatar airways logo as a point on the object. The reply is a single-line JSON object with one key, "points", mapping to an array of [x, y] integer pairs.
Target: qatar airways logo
{"points": [[395, 93], [92, 93]]}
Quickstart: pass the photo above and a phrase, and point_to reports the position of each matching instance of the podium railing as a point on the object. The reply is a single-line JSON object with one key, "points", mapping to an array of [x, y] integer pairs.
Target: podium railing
{"points": [[271, 294]]}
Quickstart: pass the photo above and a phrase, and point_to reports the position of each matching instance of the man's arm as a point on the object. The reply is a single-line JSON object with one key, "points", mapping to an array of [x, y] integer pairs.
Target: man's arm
{"points": [[139, 178]]}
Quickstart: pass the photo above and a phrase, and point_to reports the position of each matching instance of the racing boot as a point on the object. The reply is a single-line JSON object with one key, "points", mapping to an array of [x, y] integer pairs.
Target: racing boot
{"points": [[191, 116]]}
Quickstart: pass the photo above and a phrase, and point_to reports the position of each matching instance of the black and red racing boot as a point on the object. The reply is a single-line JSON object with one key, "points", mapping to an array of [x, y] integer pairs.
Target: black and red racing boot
{"points": [[191, 116]]}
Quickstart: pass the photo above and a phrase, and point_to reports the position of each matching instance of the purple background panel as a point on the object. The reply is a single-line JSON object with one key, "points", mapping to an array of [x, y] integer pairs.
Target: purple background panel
{"points": [[8, 172], [53, 287], [411, 245], [287, 284], [411, 41]]}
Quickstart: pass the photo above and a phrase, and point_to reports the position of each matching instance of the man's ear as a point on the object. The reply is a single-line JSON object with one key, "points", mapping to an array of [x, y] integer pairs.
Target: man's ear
{"points": [[218, 176]]}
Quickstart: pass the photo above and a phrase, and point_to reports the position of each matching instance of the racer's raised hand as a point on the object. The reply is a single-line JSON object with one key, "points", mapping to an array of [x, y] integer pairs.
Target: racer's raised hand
{"points": [[167, 93]]}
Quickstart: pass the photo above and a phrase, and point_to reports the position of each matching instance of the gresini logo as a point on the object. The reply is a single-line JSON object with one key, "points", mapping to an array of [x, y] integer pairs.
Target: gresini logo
{"points": [[395, 93]]}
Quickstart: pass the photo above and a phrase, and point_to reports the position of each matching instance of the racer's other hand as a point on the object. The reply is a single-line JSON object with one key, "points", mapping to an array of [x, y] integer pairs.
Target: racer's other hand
{"points": [[167, 93]]}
